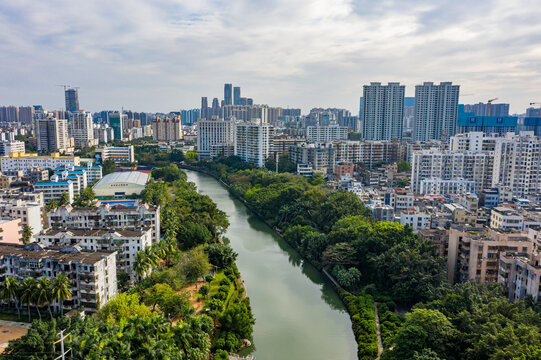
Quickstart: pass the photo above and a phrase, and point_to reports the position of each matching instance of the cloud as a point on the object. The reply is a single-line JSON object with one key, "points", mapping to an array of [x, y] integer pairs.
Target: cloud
{"points": [[164, 55]]}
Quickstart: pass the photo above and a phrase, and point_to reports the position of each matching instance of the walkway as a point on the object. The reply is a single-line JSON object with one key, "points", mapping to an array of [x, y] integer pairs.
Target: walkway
{"points": [[380, 344], [10, 330]]}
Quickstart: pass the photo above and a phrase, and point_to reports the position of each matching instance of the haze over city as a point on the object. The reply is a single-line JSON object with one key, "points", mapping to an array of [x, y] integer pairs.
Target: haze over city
{"points": [[165, 55]]}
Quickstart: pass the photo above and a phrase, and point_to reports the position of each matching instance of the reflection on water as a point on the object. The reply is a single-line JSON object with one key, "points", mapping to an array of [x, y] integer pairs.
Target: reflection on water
{"points": [[298, 314]]}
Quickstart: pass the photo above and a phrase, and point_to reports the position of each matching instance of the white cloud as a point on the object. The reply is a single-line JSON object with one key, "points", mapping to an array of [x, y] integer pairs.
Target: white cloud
{"points": [[164, 55]]}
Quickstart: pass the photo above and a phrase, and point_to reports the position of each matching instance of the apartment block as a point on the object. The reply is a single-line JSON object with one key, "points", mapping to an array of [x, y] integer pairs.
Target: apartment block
{"points": [[253, 142], [25, 162], [120, 155], [11, 146], [126, 214], [213, 132], [125, 243], [167, 129], [326, 133], [28, 211], [383, 111], [93, 274], [53, 189]]}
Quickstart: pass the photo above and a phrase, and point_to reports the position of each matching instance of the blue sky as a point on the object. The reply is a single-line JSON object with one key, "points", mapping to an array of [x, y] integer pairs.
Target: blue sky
{"points": [[163, 55]]}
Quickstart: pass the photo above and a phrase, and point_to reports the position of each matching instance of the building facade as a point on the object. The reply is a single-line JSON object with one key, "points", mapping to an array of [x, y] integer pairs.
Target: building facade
{"points": [[253, 142], [383, 111]]}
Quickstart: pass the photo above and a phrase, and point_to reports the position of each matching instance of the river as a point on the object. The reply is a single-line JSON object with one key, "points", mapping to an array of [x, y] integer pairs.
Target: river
{"points": [[298, 314]]}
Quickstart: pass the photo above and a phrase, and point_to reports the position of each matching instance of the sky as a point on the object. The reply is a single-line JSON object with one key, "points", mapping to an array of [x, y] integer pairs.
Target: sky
{"points": [[163, 55]]}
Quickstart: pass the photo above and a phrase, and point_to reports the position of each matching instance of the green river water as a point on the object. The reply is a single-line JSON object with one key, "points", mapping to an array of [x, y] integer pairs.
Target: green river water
{"points": [[298, 314]]}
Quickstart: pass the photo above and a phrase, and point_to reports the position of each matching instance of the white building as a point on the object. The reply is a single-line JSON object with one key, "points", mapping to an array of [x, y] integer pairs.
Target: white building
{"points": [[326, 133], [505, 218], [28, 211], [26, 162], [438, 186], [11, 146], [82, 129], [417, 220], [253, 142], [120, 155], [119, 185], [126, 243], [212, 133], [54, 189], [93, 172], [78, 177], [127, 214], [92, 274], [436, 111]]}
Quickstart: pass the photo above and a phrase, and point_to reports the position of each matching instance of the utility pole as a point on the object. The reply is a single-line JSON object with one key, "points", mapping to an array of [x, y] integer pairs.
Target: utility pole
{"points": [[276, 155], [61, 341]]}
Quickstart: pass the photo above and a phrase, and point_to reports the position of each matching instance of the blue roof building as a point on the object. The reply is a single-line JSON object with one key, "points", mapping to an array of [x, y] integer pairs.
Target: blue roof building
{"points": [[469, 122]]}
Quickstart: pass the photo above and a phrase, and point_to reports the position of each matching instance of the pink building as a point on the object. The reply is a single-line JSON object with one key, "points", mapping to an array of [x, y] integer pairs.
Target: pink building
{"points": [[10, 231], [343, 168]]}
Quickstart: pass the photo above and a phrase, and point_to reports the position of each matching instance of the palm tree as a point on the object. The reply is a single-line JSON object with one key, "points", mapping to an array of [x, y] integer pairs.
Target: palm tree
{"points": [[27, 293], [45, 294], [10, 292], [61, 290], [141, 265], [27, 234]]}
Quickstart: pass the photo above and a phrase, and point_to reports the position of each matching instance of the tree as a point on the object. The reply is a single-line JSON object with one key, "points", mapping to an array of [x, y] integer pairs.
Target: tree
{"points": [[64, 199], [238, 319], [193, 265], [27, 234], [11, 291], [122, 306], [191, 234], [61, 289], [108, 166], [221, 255], [169, 173], [204, 290], [403, 166], [85, 198], [425, 329], [53, 204], [341, 254], [170, 303], [45, 294], [348, 278], [27, 294]]}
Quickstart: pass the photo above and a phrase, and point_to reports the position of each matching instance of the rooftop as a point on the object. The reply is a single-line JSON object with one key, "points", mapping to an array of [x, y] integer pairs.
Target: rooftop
{"points": [[35, 251], [134, 177]]}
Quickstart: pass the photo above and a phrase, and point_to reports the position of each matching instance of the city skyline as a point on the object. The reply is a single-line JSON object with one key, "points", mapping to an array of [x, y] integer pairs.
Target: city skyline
{"points": [[149, 57]]}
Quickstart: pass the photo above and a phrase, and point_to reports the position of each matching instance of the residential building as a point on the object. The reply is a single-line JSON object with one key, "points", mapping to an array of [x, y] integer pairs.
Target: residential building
{"points": [[326, 133], [416, 219], [342, 169], [51, 134], [167, 129], [54, 188], [520, 275], [383, 111], [120, 155], [28, 211], [482, 109], [82, 129], [130, 214], [474, 252], [253, 142], [399, 199], [25, 114], [26, 162], [92, 274], [488, 125], [93, 172], [10, 231], [11, 146], [436, 109], [125, 243], [213, 132], [435, 186]]}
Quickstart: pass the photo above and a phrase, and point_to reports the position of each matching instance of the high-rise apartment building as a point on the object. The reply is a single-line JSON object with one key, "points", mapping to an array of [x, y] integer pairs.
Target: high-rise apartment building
{"points": [[236, 95], [481, 109], [228, 90], [72, 100], [383, 111], [253, 142], [25, 114], [211, 133], [436, 111], [326, 133], [9, 114], [190, 117], [51, 134], [167, 129], [82, 129], [204, 108]]}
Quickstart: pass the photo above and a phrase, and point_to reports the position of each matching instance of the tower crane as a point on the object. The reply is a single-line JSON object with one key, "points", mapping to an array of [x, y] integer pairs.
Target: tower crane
{"points": [[537, 103], [490, 104]]}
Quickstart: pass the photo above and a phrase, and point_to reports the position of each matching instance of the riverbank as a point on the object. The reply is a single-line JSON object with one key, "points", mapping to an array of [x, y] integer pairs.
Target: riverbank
{"points": [[299, 314], [342, 293]]}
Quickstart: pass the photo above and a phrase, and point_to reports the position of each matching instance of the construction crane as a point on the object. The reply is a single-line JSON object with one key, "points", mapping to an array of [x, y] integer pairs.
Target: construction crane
{"points": [[490, 104], [65, 86]]}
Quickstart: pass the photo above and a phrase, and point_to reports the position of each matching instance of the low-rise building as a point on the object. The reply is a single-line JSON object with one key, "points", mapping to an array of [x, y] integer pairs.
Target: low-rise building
{"points": [[128, 214], [126, 243], [10, 230], [28, 211], [54, 189], [416, 219], [120, 185], [506, 218], [25, 162], [520, 275], [92, 274], [93, 172], [120, 155]]}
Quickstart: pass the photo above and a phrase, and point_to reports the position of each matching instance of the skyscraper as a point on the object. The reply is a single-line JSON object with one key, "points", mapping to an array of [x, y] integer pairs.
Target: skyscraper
{"points": [[227, 94], [236, 95], [115, 121], [25, 114], [51, 134], [204, 108], [383, 111], [436, 111], [72, 100], [215, 107], [81, 129]]}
